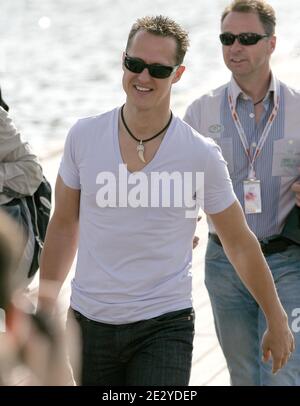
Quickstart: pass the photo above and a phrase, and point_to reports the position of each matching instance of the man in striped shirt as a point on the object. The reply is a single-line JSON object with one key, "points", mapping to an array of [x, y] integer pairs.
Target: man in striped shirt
{"points": [[255, 120]]}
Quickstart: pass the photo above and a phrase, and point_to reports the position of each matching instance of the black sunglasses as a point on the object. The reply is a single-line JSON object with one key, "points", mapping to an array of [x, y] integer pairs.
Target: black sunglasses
{"points": [[244, 38], [137, 65]]}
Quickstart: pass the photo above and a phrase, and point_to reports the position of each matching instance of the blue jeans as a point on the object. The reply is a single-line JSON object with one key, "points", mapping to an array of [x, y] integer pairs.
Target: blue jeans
{"points": [[149, 352], [240, 323]]}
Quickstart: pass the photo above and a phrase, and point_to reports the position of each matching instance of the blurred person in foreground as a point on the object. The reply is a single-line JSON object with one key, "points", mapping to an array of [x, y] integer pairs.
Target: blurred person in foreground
{"points": [[131, 293], [255, 120], [32, 346], [20, 176]]}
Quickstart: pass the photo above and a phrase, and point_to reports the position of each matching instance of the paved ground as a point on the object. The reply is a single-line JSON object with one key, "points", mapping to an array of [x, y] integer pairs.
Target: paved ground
{"points": [[209, 367]]}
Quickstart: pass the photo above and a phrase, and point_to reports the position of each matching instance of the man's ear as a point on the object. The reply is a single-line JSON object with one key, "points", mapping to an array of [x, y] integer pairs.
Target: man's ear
{"points": [[123, 57], [273, 41], [178, 73]]}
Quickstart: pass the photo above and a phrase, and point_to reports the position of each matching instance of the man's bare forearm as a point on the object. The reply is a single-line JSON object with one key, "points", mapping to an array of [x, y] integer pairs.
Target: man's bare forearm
{"points": [[243, 251], [250, 264], [56, 260]]}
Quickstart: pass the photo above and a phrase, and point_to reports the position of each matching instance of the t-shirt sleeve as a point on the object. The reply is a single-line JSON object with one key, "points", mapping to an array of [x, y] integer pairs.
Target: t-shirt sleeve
{"points": [[218, 189], [68, 169]]}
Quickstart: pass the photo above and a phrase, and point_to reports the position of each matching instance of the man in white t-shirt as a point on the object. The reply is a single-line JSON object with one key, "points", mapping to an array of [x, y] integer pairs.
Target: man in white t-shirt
{"points": [[127, 194]]}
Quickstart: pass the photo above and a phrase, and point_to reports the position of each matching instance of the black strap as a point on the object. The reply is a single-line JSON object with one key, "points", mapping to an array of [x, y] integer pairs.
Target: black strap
{"points": [[273, 246]]}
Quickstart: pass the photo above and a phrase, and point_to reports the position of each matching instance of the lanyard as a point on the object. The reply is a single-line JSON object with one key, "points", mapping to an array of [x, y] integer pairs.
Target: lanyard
{"points": [[265, 133]]}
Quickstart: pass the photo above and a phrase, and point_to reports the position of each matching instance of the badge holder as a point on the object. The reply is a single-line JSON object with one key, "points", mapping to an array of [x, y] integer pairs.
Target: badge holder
{"points": [[252, 196]]}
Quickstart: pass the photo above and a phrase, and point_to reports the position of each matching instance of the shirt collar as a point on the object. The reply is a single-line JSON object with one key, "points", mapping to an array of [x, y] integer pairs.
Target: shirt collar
{"points": [[236, 90]]}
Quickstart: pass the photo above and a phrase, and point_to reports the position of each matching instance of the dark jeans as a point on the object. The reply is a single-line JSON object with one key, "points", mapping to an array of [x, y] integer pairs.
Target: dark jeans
{"points": [[149, 352]]}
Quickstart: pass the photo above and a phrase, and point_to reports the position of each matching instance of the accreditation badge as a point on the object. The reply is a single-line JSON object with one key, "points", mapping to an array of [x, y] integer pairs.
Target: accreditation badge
{"points": [[252, 196]]}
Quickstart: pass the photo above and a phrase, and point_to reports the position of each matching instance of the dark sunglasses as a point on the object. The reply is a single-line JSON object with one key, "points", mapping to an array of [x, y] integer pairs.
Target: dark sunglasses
{"points": [[137, 65], [244, 38]]}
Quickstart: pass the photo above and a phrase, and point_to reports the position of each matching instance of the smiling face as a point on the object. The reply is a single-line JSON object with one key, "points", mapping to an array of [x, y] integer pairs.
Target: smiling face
{"points": [[252, 61], [144, 91]]}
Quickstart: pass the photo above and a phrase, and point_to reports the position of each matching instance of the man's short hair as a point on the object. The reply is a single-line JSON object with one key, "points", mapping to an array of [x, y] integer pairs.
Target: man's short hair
{"points": [[264, 11], [163, 27]]}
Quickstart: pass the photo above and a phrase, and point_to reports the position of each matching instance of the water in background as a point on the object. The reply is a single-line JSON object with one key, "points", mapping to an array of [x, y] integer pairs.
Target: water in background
{"points": [[61, 59]]}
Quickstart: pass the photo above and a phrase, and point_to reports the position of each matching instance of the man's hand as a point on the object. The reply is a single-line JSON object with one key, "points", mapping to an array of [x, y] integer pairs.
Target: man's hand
{"points": [[296, 189], [278, 343]]}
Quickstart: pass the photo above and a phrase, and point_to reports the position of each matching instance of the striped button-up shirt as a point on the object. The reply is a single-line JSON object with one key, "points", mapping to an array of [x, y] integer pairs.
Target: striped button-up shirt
{"points": [[210, 115]]}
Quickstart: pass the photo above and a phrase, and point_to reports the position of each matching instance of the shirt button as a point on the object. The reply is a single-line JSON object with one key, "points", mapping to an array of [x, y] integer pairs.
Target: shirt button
{"points": [[251, 115]]}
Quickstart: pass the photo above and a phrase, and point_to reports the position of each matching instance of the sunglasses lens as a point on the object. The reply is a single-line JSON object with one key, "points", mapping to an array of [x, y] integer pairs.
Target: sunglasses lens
{"points": [[134, 65], [137, 65], [227, 38], [245, 38], [249, 38], [160, 71]]}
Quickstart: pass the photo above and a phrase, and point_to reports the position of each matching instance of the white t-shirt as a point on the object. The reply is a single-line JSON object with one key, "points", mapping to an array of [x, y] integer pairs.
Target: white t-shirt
{"points": [[134, 263]]}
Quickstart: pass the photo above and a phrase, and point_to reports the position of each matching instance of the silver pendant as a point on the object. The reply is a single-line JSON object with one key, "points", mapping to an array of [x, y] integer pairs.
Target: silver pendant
{"points": [[140, 150]]}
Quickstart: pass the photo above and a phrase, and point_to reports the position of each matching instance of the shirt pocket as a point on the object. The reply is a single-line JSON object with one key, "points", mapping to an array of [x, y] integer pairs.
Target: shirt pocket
{"points": [[286, 158]]}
